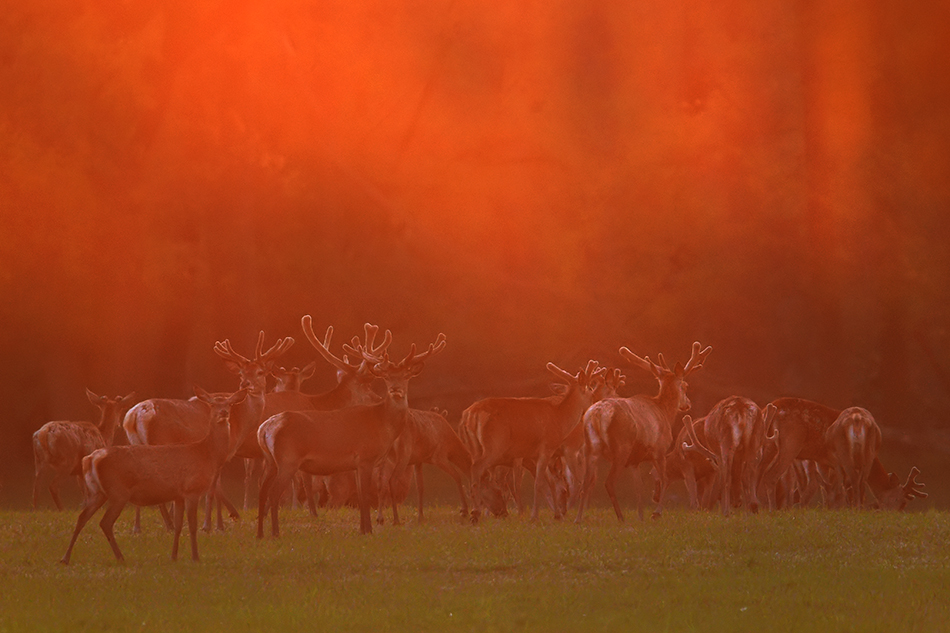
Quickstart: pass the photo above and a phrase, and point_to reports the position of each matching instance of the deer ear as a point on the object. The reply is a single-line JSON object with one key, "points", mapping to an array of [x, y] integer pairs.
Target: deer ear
{"points": [[234, 368]]}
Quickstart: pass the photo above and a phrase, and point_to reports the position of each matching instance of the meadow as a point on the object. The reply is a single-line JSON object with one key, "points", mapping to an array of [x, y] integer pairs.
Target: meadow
{"points": [[799, 570]]}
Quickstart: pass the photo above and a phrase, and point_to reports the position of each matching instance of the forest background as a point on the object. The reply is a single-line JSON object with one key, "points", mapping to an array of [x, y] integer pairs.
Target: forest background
{"points": [[539, 182]]}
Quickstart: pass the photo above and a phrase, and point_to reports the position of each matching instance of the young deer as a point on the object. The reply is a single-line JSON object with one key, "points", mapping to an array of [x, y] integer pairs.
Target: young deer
{"points": [[802, 426], [507, 431], [59, 446], [340, 440], [628, 431], [172, 421], [148, 475]]}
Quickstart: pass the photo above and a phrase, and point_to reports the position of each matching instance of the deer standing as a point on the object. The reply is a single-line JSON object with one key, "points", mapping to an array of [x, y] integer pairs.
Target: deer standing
{"points": [[628, 431], [149, 475], [506, 431], [170, 421], [340, 440], [59, 446]]}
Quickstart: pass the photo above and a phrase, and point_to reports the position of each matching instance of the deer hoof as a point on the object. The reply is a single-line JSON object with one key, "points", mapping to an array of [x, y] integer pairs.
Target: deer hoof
{"points": [[655, 516]]}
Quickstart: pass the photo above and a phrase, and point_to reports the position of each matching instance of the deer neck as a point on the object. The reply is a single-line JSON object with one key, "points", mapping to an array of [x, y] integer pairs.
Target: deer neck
{"points": [[108, 420], [246, 416], [572, 407]]}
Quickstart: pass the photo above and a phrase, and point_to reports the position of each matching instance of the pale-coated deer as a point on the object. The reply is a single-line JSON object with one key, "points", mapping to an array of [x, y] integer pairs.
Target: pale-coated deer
{"points": [[172, 421], [340, 440], [735, 432], [59, 446], [855, 439], [802, 426], [148, 475], [628, 431], [506, 431]]}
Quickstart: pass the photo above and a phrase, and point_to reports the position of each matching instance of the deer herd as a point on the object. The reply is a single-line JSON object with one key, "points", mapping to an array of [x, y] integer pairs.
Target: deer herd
{"points": [[352, 446]]}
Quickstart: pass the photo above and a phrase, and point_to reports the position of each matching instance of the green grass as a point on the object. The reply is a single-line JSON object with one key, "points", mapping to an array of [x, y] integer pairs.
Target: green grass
{"points": [[791, 571]]}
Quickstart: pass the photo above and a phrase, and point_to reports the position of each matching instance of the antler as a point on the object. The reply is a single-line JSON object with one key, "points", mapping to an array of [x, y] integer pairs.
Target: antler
{"points": [[225, 351], [642, 363], [912, 487], [306, 323], [696, 359], [696, 445], [382, 363]]}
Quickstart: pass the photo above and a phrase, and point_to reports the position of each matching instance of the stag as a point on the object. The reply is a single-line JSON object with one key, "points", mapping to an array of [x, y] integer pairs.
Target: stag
{"points": [[507, 431], [628, 431], [802, 427], [340, 440], [59, 446], [151, 474], [854, 438]]}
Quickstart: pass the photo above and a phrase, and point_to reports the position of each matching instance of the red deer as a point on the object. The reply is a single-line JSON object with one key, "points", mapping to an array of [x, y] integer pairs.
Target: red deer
{"points": [[340, 440], [735, 432], [427, 439], [169, 421], [59, 446], [802, 426], [695, 467], [505, 430], [354, 386], [854, 438], [148, 475], [628, 431]]}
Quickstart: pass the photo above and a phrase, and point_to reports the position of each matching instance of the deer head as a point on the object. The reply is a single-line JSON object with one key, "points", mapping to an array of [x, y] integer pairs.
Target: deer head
{"points": [[672, 381], [253, 373]]}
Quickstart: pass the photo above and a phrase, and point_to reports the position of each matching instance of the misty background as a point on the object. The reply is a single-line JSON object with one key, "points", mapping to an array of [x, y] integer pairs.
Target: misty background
{"points": [[539, 182]]}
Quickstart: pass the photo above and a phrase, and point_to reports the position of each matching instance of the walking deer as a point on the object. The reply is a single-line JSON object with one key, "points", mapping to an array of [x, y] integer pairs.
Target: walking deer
{"points": [[59, 446], [802, 426], [628, 431], [148, 475], [505, 431], [170, 421], [340, 440]]}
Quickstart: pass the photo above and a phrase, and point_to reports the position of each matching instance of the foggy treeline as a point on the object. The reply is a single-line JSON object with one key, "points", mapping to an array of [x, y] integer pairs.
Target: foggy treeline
{"points": [[539, 183]]}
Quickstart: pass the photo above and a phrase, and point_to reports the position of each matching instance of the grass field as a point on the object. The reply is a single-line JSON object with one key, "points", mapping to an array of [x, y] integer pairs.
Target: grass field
{"points": [[807, 570]]}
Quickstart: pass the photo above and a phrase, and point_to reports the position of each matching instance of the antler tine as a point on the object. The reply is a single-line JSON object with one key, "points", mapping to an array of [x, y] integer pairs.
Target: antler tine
{"points": [[697, 358], [371, 331], [662, 360], [306, 323], [225, 351], [278, 348], [912, 489]]}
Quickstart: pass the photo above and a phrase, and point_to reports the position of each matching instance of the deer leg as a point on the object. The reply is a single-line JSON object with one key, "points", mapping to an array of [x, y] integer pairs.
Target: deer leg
{"points": [[54, 493], [420, 487], [248, 481], [590, 478], [166, 517], [364, 479], [108, 520], [267, 480], [517, 475], [610, 483], [661, 480], [191, 506], [137, 523], [92, 505], [179, 515]]}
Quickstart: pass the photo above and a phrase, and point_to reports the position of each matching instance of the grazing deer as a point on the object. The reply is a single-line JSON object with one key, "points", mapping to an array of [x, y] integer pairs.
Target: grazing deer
{"points": [[628, 431], [340, 440], [735, 432], [503, 431], [170, 421], [59, 446], [148, 475], [854, 438], [695, 467], [802, 426]]}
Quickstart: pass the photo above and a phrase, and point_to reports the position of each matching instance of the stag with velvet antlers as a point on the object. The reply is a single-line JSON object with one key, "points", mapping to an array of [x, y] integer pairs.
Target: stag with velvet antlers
{"points": [[628, 431], [508, 431], [353, 438]]}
